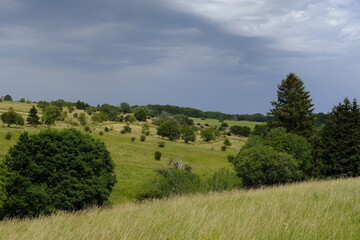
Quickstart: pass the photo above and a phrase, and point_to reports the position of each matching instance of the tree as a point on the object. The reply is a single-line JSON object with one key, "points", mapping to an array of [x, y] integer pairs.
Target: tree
{"points": [[11, 117], [33, 118], [56, 170], [240, 130], [125, 107], [293, 109], [99, 117], [170, 129], [51, 114], [188, 134], [8, 98], [262, 165], [341, 140], [82, 119], [140, 114], [207, 135]]}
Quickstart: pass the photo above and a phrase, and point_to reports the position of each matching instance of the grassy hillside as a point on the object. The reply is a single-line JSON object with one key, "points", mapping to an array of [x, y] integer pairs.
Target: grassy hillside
{"points": [[314, 210], [135, 160], [215, 122]]}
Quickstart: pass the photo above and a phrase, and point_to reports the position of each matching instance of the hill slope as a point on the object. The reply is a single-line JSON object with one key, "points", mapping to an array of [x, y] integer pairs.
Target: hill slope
{"points": [[315, 210]]}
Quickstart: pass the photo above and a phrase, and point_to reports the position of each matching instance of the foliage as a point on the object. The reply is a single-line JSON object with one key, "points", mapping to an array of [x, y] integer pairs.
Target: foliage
{"points": [[99, 117], [184, 120], [145, 129], [56, 170], [161, 144], [240, 130], [263, 165], [175, 180], [129, 118], [11, 117], [42, 104], [33, 118], [341, 140], [82, 119], [126, 129], [142, 138], [223, 180], [133, 139], [227, 142], [8, 136], [260, 130], [8, 98], [188, 134], [170, 129], [111, 111], [51, 114], [140, 114], [157, 155], [125, 107], [293, 109], [207, 135], [223, 148], [163, 117]]}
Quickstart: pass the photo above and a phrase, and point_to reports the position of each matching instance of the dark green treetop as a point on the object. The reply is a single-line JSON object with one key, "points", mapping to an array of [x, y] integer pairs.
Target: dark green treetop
{"points": [[33, 118], [293, 109]]}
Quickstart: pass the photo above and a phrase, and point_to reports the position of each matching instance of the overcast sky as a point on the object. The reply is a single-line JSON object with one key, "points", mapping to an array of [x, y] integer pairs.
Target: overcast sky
{"points": [[220, 55]]}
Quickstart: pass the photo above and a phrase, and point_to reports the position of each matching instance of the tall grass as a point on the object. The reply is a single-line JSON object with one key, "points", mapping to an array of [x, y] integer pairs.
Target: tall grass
{"points": [[314, 210]]}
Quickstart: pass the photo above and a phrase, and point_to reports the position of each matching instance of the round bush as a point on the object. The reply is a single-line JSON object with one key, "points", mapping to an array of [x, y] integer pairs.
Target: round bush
{"points": [[157, 155], [263, 165], [56, 170]]}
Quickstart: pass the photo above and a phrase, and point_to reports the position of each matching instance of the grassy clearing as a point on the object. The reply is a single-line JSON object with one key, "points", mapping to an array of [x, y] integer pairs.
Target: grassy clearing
{"points": [[314, 210], [135, 161], [215, 122]]}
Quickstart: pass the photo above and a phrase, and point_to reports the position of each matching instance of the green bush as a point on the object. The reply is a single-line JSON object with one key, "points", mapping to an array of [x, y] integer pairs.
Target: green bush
{"points": [[263, 165], [227, 142], [207, 135], [56, 170], [106, 129], [142, 138], [87, 129], [223, 148], [101, 133], [8, 136], [223, 180], [176, 180], [157, 155], [170, 129], [126, 129], [133, 139], [161, 144]]}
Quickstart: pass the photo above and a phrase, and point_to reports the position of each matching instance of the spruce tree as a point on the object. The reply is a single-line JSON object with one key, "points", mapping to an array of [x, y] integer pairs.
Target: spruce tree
{"points": [[33, 118], [293, 110], [341, 141]]}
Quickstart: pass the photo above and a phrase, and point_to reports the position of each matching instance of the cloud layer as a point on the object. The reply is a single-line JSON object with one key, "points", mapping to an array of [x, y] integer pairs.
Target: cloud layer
{"points": [[215, 55]]}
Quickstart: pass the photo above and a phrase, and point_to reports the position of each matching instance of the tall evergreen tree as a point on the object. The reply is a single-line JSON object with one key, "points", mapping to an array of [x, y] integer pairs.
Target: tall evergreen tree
{"points": [[341, 140], [293, 110], [33, 118]]}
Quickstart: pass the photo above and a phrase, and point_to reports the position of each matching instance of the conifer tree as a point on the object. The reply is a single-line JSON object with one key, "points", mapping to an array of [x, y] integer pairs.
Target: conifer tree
{"points": [[293, 110], [341, 140], [33, 118]]}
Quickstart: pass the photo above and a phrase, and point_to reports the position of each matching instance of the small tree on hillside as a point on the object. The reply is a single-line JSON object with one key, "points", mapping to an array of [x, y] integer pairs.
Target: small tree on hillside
{"points": [[341, 141], [169, 129], [8, 98], [293, 109], [11, 117], [188, 134], [207, 135], [51, 114], [33, 118], [82, 119], [140, 114], [125, 107]]}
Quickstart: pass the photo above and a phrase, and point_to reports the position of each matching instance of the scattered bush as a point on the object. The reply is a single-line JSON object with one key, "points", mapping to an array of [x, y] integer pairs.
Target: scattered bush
{"points": [[106, 129], [8, 136], [142, 138], [87, 129], [223, 148], [126, 129], [227, 142], [145, 129], [230, 158], [101, 133], [170, 129], [188, 134], [73, 172], [133, 139], [161, 144], [207, 135], [157, 155]]}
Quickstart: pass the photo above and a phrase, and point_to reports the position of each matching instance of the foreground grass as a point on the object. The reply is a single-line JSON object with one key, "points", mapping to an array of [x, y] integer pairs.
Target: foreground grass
{"points": [[315, 210]]}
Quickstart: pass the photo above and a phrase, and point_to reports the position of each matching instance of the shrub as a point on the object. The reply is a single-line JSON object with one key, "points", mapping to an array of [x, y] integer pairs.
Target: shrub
{"points": [[207, 135], [133, 139], [11, 117], [176, 180], [106, 129], [73, 172], [224, 125], [230, 158], [223, 148], [145, 129], [87, 129], [101, 133], [263, 165], [126, 129], [241, 131], [170, 129], [227, 142], [161, 144], [8, 136], [157, 155], [140, 114], [142, 138], [223, 180], [188, 134]]}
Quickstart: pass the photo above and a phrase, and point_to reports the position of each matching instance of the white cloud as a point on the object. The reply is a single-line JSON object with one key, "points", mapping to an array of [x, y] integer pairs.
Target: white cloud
{"points": [[314, 26]]}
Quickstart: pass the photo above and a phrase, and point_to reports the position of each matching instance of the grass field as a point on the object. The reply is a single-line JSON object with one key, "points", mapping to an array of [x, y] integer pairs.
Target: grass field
{"points": [[314, 210], [134, 161], [215, 122]]}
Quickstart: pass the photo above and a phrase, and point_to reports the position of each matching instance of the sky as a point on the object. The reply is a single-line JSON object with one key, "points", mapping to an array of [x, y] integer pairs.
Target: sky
{"points": [[214, 55]]}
